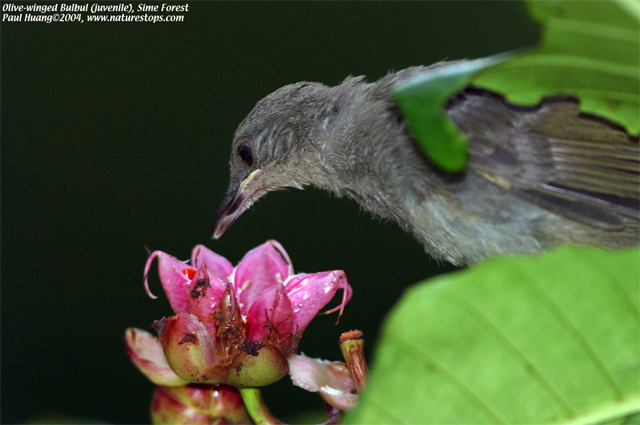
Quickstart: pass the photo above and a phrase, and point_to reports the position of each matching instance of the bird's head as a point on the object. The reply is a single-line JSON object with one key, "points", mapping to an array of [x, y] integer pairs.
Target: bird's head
{"points": [[273, 148]]}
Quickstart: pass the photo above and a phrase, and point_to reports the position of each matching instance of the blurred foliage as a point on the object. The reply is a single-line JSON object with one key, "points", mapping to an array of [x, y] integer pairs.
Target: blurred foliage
{"points": [[588, 49], [421, 99]]}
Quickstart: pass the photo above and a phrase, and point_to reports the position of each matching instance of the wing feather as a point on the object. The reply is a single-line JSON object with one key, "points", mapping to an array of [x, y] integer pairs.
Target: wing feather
{"points": [[571, 163]]}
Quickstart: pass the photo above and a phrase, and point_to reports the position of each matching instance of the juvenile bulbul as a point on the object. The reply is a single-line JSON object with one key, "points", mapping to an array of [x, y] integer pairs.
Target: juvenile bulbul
{"points": [[537, 176]]}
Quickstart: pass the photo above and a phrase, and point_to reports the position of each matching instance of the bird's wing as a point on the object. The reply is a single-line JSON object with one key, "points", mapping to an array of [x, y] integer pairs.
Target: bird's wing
{"points": [[571, 163]]}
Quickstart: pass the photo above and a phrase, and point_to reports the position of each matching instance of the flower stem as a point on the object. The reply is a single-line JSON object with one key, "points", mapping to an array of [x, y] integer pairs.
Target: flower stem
{"points": [[256, 407]]}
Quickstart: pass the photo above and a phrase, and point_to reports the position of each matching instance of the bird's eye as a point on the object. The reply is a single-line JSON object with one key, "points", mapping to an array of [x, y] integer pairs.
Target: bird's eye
{"points": [[244, 152]]}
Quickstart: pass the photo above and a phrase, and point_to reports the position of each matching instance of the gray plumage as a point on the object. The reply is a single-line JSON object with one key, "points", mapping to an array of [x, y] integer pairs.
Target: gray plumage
{"points": [[537, 176]]}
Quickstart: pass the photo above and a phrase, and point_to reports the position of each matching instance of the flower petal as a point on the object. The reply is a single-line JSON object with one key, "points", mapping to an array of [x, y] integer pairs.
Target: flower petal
{"points": [[311, 374], [205, 295], [146, 353], [188, 347], [216, 263], [270, 319], [175, 277], [261, 269], [330, 379], [338, 399], [310, 292]]}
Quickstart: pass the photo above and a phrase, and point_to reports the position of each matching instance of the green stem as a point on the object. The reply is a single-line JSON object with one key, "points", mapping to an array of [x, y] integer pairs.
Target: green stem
{"points": [[256, 407]]}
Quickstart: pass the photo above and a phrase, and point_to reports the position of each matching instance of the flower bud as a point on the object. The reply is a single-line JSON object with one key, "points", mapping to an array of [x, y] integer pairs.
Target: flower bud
{"points": [[352, 347], [257, 367], [188, 347]]}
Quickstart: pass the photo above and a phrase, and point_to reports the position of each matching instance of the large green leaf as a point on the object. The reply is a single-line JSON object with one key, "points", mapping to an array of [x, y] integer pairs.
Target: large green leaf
{"points": [[547, 339], [589, 49]]}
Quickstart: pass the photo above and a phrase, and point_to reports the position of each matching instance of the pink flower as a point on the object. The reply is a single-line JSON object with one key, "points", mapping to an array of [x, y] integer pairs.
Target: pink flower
{"points": [[236, 325]]}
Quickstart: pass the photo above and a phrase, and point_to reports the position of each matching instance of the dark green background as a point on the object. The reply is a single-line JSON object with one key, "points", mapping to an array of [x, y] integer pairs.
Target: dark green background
{"points": [[116, 135]]}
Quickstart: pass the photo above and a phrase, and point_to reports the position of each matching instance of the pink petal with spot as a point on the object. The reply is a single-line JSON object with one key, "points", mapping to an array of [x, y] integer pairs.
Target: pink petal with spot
{"points": [[205, 295], [309, 293], [146, 353], [175, 276], [216, 263], [261, 269], [270, 316]]}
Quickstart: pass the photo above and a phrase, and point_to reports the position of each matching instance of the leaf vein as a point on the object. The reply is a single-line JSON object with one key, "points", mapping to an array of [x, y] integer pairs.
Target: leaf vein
{"points": [[383, 407], [616, 284], [529, 366], [566, 321], [575, 62], [609, 32], [460, 386]]}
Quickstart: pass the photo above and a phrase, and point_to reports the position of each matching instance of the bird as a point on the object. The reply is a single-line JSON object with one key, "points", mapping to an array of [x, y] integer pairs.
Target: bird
{"points": [[537, 176]]}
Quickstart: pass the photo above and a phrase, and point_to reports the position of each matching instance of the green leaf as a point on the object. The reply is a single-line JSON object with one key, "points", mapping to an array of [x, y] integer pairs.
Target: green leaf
{"points": [[546, 339], [422, 100], [589, 49]]}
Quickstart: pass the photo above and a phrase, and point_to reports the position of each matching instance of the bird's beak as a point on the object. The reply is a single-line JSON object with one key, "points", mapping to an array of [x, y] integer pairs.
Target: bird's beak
{"points": [[235, 203]]}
